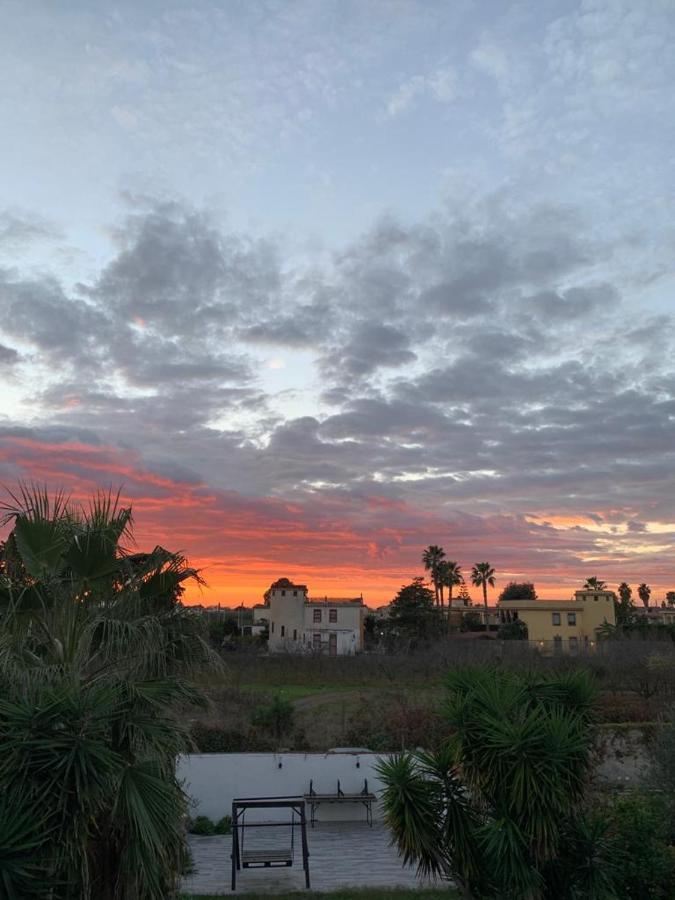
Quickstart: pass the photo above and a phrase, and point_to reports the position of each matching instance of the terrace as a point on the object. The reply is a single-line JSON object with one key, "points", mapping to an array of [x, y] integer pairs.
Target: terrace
{"points": [[342, 855]]}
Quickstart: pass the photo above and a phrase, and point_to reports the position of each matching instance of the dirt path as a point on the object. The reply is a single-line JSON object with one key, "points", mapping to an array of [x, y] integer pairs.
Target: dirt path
{"points": [[313, 701]]}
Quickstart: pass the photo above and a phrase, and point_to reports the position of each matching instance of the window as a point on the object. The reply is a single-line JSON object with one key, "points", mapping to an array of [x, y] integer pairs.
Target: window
{"points": [[283, 630], [295, 593], [295, 634], [574, 645], [556, 618], [557, 644], [283, 593], [272, 627], [571, 618], [317, 615], [332, 615], [316, 641], [595, 596]]}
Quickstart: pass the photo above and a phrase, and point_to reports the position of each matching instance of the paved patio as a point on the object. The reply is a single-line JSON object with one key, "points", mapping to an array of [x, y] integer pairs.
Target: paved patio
{"points": [[342, 854]]}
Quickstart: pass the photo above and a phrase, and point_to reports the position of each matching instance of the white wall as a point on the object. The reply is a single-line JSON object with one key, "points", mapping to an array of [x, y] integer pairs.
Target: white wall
{"points": [[212, 780]]}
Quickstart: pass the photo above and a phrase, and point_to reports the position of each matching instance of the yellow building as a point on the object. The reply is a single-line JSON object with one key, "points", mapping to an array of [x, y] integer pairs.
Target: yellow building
{"points": [[563, 626]]}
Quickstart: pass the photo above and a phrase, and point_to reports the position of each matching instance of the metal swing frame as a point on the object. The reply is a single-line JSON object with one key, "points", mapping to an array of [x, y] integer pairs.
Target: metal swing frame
{"points": [[267, 858]]}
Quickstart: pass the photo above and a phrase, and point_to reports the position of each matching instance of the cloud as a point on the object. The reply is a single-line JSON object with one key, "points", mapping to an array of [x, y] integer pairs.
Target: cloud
{"points": [[475, 377], [20, 228], [440, 85], [8, 356]]}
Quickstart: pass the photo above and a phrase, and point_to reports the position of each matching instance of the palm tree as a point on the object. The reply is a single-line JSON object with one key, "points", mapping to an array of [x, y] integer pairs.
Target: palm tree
{"points": [[432, 557], [496, 828], [594, 584], [451, 576], [482, 575], [644, 593], [96, 654], [625, 593]]}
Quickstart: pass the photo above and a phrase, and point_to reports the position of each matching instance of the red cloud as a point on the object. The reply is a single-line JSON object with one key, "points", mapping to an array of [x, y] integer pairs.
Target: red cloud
{"points": [[335, 541]]}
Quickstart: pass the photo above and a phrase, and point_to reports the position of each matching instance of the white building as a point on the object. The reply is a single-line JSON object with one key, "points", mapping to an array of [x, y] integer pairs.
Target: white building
{"points": [[330, 625]]}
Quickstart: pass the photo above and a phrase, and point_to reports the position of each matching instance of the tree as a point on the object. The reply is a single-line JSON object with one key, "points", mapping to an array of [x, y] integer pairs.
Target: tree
{"points": [[412, 613], [451, 576], [277, 717], [625, 592], [482, 575], [624, 606], [96, 654], [644, 593], [499, 808], [464, 597], [518, 590], [432, 558], [670, 598], [594, 584]]}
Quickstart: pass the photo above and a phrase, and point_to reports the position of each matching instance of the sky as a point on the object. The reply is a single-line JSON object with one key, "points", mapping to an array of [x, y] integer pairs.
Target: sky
{"points": [[318, 283]]}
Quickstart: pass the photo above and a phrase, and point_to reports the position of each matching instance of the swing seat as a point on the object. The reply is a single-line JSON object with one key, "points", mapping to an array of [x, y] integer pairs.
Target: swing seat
{"points": [[266, 859]]}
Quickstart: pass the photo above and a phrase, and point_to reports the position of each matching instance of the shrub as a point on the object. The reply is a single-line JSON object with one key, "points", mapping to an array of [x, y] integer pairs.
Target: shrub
{"points": [[499, 806], [661, 775], [472, 621], [275, 717], [210, 739], [202, 825], [224, 825], [513, 631], [645, 862]]}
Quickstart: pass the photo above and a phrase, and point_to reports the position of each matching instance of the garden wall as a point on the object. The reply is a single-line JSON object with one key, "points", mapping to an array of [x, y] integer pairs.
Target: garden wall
{"points": [[212, 780]]}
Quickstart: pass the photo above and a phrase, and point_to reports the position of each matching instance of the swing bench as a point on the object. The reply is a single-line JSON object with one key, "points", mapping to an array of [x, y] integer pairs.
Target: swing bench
{"points": [[267, 857]]}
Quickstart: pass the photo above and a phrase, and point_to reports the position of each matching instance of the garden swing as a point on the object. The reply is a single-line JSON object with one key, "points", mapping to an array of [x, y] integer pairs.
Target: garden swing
{"points": [[267, 857]]}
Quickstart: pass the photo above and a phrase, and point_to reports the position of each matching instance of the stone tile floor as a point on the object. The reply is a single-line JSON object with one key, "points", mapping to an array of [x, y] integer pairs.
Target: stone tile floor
{"points": [[341, 854]]}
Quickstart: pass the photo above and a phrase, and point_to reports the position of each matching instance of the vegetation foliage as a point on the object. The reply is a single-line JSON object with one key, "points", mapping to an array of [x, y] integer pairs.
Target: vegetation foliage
{"points": [[500, 807], [96, 661]]}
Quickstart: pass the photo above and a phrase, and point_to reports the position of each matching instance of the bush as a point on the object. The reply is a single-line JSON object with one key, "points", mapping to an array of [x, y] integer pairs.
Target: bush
{"points": [[513, 631], [276, 717], [472, 621], [224, 825], [202, 825], [210, 739], [645, 862], [661, 775]]}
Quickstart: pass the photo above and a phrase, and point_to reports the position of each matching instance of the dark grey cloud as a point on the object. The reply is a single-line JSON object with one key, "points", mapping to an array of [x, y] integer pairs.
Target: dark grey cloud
{"points": [[367, 347], [466, 360], [8, 356]]}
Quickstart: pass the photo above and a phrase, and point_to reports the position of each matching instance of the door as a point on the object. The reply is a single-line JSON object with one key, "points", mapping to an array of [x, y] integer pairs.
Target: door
{"points": [[332, 644]]}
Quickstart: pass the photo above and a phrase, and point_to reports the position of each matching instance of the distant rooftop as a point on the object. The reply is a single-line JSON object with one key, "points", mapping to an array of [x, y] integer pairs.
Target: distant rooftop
{"points": [[286, 584]]}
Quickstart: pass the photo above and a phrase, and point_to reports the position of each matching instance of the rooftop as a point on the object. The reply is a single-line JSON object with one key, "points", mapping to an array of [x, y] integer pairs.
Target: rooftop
{"points": [[335, 601]]}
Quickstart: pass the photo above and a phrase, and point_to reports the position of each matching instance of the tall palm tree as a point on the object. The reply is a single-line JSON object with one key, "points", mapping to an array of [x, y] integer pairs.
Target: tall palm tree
{"points": [[96, 654], [625, 593], [594, 584], [451, 577], [644, 593], [482, 575], [432, 557]]}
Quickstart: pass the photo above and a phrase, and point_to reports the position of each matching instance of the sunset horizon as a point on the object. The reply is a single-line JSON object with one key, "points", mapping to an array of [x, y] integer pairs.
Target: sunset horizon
{"points": [[320, 284]]}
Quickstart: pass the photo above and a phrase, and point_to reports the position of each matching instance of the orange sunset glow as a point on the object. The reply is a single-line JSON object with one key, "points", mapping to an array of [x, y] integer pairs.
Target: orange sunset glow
{"points": [[367, 546]]}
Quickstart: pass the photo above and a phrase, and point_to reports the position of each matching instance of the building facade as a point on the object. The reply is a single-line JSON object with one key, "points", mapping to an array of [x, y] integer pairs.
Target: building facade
{"points": [[298, 624], [565, 626]]}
